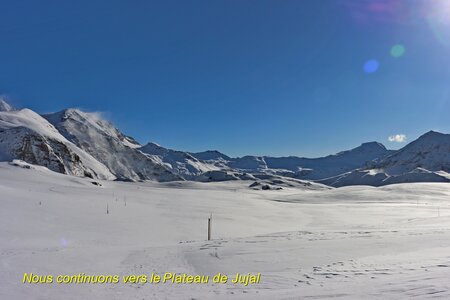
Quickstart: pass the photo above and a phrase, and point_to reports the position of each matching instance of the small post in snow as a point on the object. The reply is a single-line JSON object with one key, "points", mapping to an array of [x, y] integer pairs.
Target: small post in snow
{"points": [[209, 227], [107, 209]]}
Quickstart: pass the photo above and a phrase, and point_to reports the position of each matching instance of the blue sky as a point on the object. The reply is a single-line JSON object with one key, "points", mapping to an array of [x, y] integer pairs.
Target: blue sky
{"points": [[256, 77]]}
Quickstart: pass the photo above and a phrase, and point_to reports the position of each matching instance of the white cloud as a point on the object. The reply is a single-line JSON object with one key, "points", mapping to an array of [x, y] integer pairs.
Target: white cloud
{"points": [[398, 138]]}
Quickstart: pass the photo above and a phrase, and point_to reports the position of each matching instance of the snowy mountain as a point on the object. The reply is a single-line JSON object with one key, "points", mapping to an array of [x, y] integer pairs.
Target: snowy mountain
{"points": [[430, 151], [27, 136], [181, 163], [426, 159], [118, 152], [83, 144]]}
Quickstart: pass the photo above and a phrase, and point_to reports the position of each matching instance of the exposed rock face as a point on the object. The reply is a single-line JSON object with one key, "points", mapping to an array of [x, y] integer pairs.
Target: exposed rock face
{"points": [[31, 147]]}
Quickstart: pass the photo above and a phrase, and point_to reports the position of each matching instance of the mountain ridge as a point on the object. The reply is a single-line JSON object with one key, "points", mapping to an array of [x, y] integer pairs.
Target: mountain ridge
{"points": [[82, 143]]}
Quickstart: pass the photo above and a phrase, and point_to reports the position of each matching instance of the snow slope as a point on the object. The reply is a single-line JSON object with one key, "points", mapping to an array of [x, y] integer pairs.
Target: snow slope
{"points": [[361, 242]]}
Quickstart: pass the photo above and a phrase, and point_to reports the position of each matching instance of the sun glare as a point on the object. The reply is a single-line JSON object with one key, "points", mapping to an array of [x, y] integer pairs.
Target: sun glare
{"points": [[438, 17], [440, 11]]}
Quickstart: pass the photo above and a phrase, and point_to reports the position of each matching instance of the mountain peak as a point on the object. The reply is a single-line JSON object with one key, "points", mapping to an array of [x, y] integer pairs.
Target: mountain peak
{"points": [[153, 148], [373, 145], [94, 119], [368, 147], [5, 106], [210, 155], [430, 138], [432, 133], [152, 144], [75, 113]]}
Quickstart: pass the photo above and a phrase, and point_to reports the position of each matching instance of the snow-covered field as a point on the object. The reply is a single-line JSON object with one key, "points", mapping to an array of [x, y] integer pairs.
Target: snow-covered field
{"points": [[359, 242]]}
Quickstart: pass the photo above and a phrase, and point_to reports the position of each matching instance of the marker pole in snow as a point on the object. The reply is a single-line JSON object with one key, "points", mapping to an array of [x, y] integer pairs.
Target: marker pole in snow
{"points": [[209, 227]]}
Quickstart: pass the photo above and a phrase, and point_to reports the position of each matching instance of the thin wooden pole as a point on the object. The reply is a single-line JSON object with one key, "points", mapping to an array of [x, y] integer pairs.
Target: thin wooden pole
{"points": [[209, 227]]}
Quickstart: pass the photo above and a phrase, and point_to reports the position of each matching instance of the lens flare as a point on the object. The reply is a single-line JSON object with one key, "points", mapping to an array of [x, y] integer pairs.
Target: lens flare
{"points": [[371, 66], [398, 50]]}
